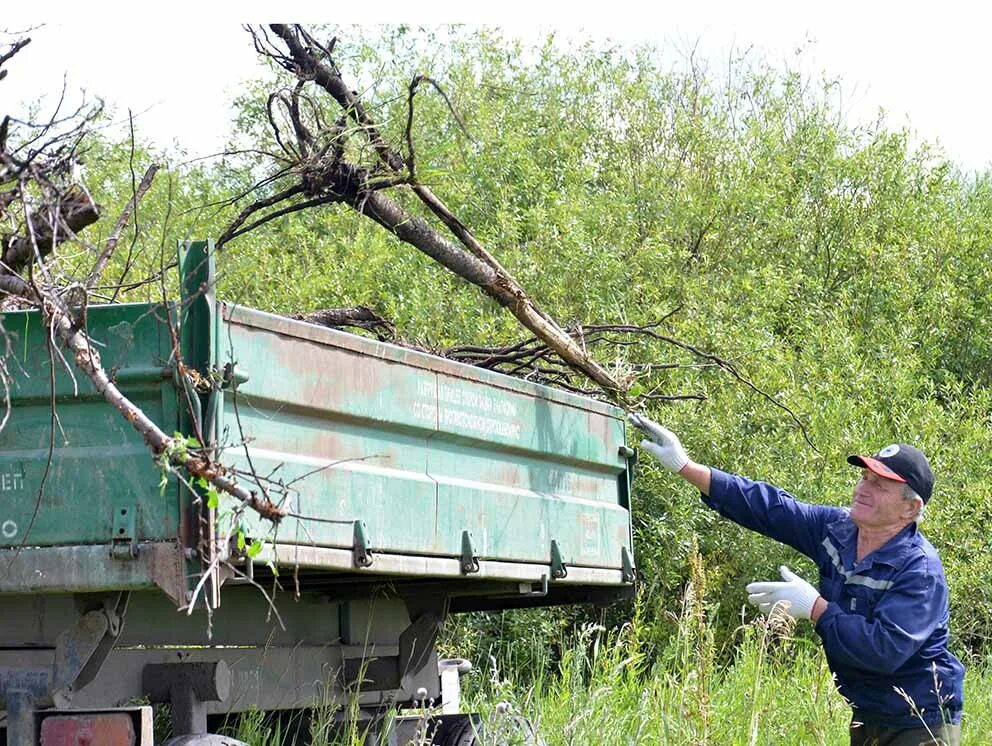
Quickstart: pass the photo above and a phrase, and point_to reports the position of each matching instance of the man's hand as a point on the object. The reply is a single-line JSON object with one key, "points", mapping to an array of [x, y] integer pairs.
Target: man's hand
{"points": [[661, 443], [796, 595]]}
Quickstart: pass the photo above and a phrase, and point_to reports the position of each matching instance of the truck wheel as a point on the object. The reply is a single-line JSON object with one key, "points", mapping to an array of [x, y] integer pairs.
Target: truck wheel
{"points": [[460, 734], [204, 739]]}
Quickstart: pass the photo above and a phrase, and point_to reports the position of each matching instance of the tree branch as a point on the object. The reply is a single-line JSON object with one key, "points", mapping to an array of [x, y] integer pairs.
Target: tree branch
{"points": [[115, 234], [54, 223], [310, 62]]}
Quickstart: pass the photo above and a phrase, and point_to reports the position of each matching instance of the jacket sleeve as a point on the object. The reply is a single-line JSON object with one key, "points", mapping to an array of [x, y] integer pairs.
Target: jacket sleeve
{"points": [[770, 511], [904, 618]]}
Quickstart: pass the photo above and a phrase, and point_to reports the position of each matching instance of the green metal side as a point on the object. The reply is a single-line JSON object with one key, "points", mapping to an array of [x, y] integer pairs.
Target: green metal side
{"points": [[436, 462], [421, 449], [99, 465]]}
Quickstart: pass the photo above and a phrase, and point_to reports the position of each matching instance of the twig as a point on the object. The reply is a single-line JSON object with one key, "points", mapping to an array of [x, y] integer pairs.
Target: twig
{"points": [[232, 230], [16, 47], [134, 192], [115, 234]]}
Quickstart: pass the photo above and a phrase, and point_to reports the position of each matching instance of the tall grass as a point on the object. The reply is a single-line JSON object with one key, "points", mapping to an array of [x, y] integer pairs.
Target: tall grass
{"points": [[602, 688], [775, 687], [777, 690]]}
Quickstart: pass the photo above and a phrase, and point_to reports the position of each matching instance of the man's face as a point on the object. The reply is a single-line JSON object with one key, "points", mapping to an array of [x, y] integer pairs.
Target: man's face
{"points": [[879, 503]]}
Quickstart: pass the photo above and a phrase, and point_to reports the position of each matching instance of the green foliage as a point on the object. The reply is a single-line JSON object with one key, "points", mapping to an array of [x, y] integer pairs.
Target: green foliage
{"points": [[601, 686], [257, 728], [774, 689], [846, 275]]}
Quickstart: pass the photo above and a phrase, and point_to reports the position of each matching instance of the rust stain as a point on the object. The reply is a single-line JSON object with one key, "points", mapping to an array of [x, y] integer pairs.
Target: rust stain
{"points": [[330, 374], [510, 475]]}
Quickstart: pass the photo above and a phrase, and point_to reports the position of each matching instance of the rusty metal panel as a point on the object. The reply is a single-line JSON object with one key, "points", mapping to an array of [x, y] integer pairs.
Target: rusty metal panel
{"points": [[422, 449], [99, 464]]}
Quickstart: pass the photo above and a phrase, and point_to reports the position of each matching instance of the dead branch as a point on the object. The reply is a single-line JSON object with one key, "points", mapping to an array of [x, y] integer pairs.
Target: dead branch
{"points": [[115, 234], [323, 175], [70, 214], [358, 317], [529, 359], [334, 179], [533, 360], [733, 371], [5, 56]]}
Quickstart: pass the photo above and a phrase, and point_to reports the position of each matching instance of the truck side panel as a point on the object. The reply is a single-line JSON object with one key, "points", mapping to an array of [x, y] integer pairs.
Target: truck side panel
{"points": [[99, 465], [421, 449]]}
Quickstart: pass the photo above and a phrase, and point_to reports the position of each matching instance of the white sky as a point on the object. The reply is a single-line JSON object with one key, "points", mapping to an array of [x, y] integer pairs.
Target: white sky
{"points": [[178, 68]]}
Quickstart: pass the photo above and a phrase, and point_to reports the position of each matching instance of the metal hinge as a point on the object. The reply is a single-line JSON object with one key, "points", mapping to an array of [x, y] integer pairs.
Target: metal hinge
{"points": [[123, 544]]}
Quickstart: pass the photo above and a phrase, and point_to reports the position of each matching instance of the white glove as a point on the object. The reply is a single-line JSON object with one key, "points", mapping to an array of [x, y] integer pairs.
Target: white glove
{"points": [[795, 594], [661, 443]]}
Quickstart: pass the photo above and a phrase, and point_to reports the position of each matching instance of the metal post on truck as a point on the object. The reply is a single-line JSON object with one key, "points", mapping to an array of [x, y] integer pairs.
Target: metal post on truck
{"points": [[198, 385]]}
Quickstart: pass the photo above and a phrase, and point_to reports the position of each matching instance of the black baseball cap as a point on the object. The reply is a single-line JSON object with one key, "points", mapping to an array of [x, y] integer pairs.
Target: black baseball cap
{"points": [[900, 462]]}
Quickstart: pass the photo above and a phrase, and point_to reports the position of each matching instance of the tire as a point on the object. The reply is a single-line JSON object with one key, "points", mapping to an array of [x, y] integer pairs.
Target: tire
{"points": [[459, 733]]}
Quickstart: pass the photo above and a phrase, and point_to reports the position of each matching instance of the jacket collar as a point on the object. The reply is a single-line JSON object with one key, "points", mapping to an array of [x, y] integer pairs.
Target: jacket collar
{"points": [[844, 533]]}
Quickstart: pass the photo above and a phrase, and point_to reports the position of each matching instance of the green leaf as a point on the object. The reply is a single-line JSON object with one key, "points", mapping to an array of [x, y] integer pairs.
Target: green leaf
{"points": [[213, 499], [255, 548], [241, 540]]}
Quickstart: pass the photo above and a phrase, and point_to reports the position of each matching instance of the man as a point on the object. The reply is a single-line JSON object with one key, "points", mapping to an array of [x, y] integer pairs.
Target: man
{"points": [[881, 608]]}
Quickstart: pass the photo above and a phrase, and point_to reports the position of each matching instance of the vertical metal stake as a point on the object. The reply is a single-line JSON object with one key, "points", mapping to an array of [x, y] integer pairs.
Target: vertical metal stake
{"points": [[628, 572]]}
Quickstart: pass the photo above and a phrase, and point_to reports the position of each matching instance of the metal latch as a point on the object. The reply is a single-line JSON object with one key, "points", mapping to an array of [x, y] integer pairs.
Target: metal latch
{"points": [[362, 546], [527, 589], [232, 377], [123, 545], [627, 570], [470, 558], [558, 568]]}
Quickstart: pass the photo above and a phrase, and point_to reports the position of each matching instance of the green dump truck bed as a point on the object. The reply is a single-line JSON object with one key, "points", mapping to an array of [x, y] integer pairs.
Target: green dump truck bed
{"points": [[394, 464]]}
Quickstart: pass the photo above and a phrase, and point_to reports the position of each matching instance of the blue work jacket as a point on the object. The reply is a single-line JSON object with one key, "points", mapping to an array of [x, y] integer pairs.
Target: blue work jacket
{"points": [[885, 626]]}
